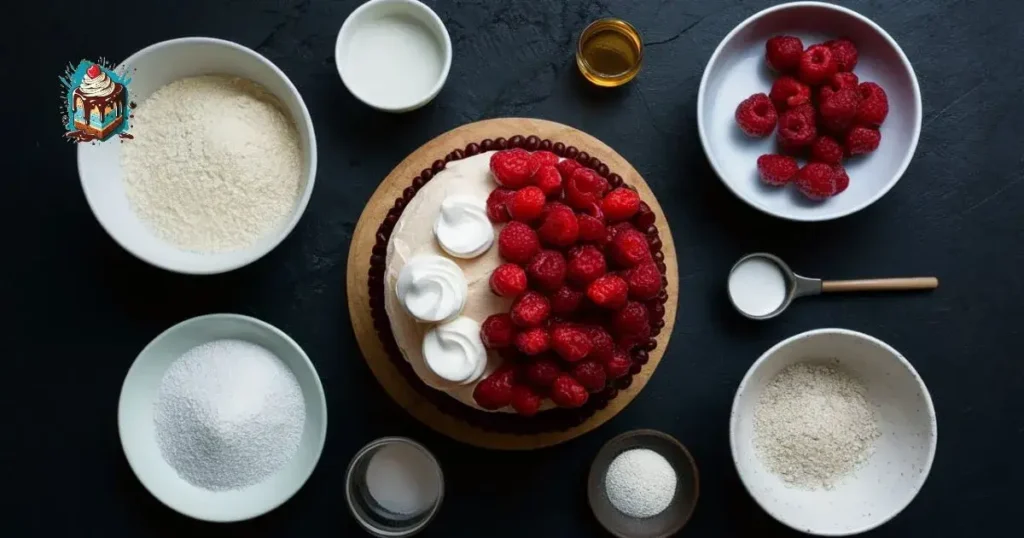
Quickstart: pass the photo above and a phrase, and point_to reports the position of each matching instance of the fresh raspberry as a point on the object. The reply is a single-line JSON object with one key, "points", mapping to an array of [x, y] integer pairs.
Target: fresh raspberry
{"points": [[618, 364], [518, 243], [837, 112], [845, 53], [572, 343], [602, 344], [783, 53], [816, 181], [512, 168], [584, 187], [620, 204], [565, 301], [497, 331], [547, 270], [533, 341], [644, 281], [841, 179], [591, 228], [826, 150], [542, 372], [788, 92], [817, 64], [632, 321], [586, 263], [495, 391], [776, 170], [543, 158], [756, 115], [838, 81], [806, 110], [497, 205], [548, 180], [526, 204], [567, 392], [566, 167], [861, 140], [874, 104], [508, 280], [796, 129], [525, 401], [629, 248], [559, 226], [531, 309], [608, 291], [590, 374]]}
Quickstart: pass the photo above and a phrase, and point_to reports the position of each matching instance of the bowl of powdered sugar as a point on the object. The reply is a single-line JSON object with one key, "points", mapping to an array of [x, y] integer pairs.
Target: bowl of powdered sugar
{"points": [[222, 417], [833, 432], [219, 162]]}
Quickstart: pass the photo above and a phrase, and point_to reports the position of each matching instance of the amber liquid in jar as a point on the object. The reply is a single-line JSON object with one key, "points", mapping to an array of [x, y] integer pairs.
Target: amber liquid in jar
{"points": [[609, 52]]}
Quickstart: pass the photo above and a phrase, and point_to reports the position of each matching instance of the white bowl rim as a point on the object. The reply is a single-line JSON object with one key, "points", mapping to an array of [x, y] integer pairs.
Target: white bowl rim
{"points": [[301, 203], [933, 440], [446, 42], [140, 473], [916, 88]]}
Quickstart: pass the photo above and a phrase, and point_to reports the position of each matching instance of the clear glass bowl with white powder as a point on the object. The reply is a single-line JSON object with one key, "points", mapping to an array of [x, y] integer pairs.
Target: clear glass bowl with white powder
{"points": [[394, 487]]}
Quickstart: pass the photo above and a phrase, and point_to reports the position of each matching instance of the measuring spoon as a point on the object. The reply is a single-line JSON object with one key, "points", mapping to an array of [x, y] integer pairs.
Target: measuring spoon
{"points": [[761, 285]]}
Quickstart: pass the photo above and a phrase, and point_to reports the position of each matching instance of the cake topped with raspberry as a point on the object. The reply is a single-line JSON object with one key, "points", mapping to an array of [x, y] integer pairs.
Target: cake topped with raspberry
{"points": [[519, 281]]}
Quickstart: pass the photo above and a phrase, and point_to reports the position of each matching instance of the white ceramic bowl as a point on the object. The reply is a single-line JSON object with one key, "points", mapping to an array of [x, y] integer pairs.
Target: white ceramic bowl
{"points": [[884, 484], [99, 165], [138, 432], [387, 40], [737, 70]]}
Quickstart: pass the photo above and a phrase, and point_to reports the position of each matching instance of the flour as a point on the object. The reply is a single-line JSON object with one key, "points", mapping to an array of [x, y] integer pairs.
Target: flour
{"points": [[228, 415], [813, 425], [215, 164]]}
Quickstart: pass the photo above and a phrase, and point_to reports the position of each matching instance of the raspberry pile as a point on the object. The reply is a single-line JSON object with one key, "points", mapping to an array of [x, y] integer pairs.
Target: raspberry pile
{"points": [[823, 113], [584, 267]]}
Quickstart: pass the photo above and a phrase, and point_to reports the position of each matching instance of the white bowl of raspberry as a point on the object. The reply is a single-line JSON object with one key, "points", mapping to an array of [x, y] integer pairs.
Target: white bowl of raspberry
{"points": [[809, 111]]}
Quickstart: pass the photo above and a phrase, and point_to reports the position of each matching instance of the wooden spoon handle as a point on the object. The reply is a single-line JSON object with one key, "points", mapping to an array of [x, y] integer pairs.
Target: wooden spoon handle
{"points": [[881, 284]]}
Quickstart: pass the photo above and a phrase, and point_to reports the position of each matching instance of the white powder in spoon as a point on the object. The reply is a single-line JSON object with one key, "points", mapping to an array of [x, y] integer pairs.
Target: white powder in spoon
{"points": [[214, 165]]}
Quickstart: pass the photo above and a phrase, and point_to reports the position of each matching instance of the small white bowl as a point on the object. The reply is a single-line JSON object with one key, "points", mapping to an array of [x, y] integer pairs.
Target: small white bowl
{"points": [[737, 70], [138, 432], [884, 484], [99, 165], [393, 55]]}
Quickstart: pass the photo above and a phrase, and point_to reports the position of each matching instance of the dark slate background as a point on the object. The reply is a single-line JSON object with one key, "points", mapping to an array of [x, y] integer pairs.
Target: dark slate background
{"points": [[78, 309]]}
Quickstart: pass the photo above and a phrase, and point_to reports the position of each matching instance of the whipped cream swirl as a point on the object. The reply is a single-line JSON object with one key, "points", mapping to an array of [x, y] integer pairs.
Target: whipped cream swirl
{"points": [[98, 86], [462, 227], [432, 288], [455, 352]]}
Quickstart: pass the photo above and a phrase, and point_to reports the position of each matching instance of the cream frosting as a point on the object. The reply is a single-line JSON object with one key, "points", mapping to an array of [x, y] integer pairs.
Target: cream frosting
{"points": [[462, 228], [413, 236], [454, 351], [432, 288], [98, 86]]}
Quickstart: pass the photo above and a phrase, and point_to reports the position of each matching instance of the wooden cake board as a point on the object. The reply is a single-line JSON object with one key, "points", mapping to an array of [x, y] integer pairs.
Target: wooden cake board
{"points": [[363, 240]]}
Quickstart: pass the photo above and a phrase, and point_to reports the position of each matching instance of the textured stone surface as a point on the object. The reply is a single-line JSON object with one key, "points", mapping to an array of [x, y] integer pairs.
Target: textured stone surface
{"points": [[82, 308]]}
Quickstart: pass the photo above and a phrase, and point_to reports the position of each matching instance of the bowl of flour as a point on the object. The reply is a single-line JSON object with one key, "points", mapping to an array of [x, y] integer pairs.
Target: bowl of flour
{"points": [[222, 417], [833, 432], [219, 163]]}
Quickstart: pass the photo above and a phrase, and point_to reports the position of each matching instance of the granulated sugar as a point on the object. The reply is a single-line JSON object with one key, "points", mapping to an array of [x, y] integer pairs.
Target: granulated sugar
{"points": [[640, 483], [813, 425], [229, 414], [215, 163]]}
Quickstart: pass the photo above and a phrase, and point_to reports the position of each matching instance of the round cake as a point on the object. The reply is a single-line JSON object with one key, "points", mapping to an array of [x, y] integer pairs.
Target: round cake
{"points": [[518, 284]]}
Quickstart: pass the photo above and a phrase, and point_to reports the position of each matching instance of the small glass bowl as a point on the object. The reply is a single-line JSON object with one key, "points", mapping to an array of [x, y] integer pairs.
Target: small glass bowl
{"points": [[374, 518]]}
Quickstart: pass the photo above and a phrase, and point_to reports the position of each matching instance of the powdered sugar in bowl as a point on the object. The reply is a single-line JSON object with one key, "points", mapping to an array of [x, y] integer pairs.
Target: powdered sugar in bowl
{"points": [[247, 173], [236, 390]]}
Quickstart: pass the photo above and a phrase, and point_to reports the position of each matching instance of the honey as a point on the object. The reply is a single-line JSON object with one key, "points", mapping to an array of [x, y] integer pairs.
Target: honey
{"points": [[609, 52]]}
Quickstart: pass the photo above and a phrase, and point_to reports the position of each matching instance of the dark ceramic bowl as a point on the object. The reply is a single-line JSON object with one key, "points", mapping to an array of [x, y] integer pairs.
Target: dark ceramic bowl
{"points": [[672, 519]]}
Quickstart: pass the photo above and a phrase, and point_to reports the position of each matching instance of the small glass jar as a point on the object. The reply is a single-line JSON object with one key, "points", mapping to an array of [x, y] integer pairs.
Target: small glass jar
{"points": [[609, 52], [374, 516]]}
